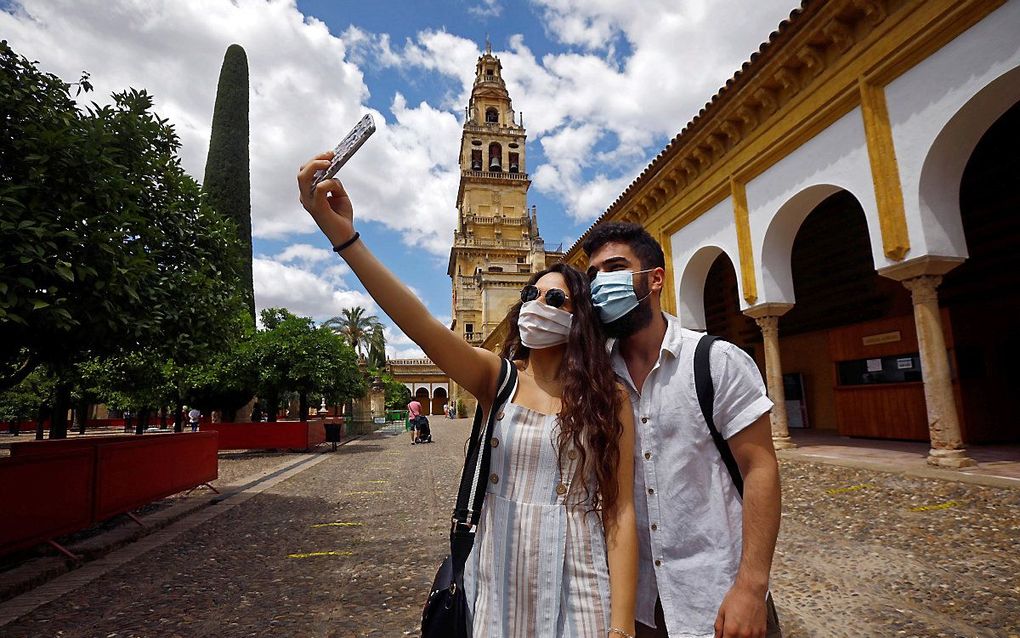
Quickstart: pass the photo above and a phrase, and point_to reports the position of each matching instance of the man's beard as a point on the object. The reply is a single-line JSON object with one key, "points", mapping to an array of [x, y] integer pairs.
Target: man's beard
{"points": [[639, 317]]}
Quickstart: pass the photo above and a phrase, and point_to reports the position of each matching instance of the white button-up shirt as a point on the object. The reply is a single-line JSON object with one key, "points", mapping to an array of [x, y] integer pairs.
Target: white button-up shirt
{"points": [[689, 513]]}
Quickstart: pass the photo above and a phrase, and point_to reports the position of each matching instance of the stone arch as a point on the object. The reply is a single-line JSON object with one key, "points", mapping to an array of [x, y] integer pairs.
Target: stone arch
{"points": [[691, 293], [777, 246], [947, 157], [439, 399]]}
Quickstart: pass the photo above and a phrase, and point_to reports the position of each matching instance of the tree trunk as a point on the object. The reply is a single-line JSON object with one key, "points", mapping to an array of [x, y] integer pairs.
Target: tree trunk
{"points": [[16, 426], [162, 417], [81, 411], [303, 403], [61, 404], [273, 407], [179, 416], [40, 422], [143, 421]]}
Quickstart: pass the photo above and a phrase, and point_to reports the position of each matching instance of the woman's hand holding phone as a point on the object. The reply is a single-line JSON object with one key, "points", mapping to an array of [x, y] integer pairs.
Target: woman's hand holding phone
{"points": [[328, 203]]}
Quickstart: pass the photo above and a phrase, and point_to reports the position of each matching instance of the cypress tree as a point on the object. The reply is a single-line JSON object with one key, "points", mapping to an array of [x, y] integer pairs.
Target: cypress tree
{"points": [[227, 170]]}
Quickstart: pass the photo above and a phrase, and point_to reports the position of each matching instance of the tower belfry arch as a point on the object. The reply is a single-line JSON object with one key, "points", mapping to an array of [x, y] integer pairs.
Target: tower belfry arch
{"points": [[496, 243]]}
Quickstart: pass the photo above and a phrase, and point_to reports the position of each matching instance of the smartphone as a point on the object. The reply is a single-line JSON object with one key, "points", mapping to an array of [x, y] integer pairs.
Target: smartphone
{"points": [[346, 149]]}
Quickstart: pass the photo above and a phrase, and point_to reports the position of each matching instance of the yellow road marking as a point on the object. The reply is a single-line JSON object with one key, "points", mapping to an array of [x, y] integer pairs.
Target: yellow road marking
{"points": [[366, 492], [338, 525], [851, 488], [373, 481], [939, 506], [314, 554]]}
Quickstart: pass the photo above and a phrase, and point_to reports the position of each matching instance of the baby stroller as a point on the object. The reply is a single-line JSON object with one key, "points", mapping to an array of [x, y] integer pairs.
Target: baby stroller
{"points": [[421, 423]]}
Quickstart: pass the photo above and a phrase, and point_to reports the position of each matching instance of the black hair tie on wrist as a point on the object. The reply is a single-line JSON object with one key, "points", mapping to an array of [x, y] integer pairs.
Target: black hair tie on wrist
{"points": [[341, 247]]}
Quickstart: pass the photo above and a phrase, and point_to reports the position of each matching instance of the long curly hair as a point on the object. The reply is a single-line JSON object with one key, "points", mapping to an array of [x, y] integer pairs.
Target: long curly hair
{"points": [[589, 412]]}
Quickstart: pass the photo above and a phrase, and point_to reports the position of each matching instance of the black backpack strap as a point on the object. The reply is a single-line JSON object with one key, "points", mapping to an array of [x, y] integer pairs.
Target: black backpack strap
{"points": [[706, 399], [476, 469]]}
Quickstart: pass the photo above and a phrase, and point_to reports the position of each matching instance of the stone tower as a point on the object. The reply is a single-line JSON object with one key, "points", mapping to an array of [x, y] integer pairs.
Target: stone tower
{"points": [[496, 244]]}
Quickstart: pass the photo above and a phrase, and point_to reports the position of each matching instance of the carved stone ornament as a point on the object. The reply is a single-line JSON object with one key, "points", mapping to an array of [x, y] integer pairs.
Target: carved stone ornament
{"points": [[840, 34], [767, 99], [812, 59]]}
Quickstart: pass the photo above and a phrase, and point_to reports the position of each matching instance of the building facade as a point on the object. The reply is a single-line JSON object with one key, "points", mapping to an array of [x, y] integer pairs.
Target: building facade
{"points": [[496, 244], [843, 208], [424, 380]]}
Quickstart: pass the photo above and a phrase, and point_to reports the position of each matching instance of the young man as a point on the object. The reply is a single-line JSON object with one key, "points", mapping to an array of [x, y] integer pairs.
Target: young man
{"points": [[705, 553], [414, 410]]}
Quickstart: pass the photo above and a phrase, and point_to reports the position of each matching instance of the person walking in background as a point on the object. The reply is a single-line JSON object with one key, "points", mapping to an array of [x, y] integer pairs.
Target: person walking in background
{"points": [[707, 526], [413, 412], [194, 415], [555, 551]]}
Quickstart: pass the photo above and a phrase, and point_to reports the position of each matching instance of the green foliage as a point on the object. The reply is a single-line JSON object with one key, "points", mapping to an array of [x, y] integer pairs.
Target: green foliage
{"points": [[109, 249], [377, 348], [22, 402], [461, 409], [227, 170], [291, 355], [397, 394]]}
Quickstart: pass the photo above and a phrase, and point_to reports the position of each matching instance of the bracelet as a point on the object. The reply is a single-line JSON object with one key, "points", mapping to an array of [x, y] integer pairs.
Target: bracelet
{"points": [[341, 247], [617, 630]]}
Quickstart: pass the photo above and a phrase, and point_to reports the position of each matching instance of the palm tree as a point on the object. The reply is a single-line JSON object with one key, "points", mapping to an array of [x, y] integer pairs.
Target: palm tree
{"points": [[356, 327], [377, 348]]}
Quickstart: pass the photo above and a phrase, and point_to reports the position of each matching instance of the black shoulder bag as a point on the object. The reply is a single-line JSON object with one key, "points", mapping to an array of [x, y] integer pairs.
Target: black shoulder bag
{"points": [[445, 614], [706, 399]]}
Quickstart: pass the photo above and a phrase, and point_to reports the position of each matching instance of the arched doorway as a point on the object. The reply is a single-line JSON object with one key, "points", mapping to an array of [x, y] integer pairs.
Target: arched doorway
{"points": [[439, 400], [982, 295], [421, 395], [848, 344]]}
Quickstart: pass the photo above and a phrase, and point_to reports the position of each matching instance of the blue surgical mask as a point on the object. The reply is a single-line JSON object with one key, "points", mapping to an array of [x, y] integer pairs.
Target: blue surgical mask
{"points": [[613, 293]]}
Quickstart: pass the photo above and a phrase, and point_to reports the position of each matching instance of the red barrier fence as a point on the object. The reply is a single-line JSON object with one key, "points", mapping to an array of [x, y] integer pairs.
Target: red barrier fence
{"points": [[49, 446], [130, 474], [67, 485], [54, 497], [295, 435]]}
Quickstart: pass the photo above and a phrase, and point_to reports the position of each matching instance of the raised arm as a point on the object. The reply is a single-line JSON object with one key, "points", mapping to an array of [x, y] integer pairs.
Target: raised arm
{"points": [[474, 369], [621, 532]]}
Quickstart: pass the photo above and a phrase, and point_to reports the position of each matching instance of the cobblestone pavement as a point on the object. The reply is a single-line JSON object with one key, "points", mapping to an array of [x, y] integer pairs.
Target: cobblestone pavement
{"points": [[349, 547]]}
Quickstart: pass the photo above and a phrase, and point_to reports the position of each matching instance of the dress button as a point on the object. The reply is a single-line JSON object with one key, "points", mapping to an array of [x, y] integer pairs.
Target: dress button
{"points": [[648, 455], [494, 478], [494, 442], [654, 527], [572, 454], [658, 563], [499, 417], [650, 490], [644, 419], [561, 489]]}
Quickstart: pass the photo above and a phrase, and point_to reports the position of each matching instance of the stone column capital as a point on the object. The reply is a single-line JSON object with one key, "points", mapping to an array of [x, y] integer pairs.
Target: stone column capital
{"points": [[923, 289], [769, 325]]}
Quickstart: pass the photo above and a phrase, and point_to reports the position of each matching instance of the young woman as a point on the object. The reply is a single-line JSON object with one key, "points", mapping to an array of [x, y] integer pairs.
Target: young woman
{"points": [[555, 553]]}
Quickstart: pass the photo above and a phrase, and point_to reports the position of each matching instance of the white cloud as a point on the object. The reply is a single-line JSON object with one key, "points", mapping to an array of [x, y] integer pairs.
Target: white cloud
{"points": [[486, 9], [305, 253], [632, 76], [305, 93], [302, 292]]}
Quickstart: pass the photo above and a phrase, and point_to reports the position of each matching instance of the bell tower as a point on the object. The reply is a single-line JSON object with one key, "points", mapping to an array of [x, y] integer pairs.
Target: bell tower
{"points": [[496, 244]]}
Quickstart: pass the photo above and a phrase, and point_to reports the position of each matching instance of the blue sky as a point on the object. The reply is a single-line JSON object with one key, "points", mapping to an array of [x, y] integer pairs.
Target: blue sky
{"points": [[603, 86]]}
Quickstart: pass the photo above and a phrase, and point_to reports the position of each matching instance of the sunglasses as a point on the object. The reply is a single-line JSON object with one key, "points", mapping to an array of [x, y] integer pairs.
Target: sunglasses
{"points": [[553, 297]]}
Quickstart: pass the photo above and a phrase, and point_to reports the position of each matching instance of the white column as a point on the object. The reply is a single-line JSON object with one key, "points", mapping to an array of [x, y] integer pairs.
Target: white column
{"points": [[943, 423], [767, 317]]}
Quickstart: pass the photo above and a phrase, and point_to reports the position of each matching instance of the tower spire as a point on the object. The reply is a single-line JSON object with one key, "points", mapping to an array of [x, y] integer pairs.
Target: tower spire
{"points": [[488, 45]]}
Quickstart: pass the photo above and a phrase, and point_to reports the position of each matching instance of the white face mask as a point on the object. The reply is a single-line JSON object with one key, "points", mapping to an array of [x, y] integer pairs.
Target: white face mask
{"points": [[543, 326]]}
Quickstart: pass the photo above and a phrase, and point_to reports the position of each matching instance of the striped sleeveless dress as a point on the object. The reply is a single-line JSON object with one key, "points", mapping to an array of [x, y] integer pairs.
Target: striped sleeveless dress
{"points": [[538, 567]]}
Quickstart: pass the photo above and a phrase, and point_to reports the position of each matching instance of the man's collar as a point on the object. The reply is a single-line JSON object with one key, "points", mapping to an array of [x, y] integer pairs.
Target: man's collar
{"points": [[670, 341]]}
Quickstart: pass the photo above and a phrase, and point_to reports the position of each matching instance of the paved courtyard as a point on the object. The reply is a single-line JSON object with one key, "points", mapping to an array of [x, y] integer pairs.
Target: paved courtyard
{"points": [[348, 545]]}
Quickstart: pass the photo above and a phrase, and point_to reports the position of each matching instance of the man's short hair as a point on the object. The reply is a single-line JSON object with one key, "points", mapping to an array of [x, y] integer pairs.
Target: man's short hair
{"points": [[644, 245]]}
